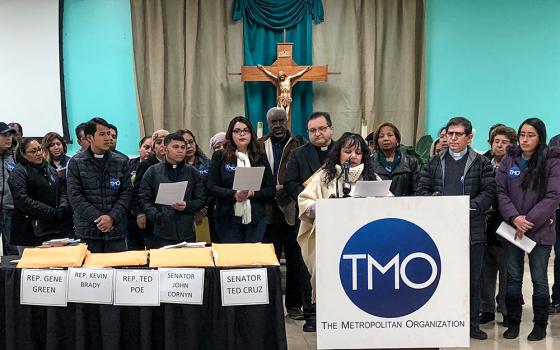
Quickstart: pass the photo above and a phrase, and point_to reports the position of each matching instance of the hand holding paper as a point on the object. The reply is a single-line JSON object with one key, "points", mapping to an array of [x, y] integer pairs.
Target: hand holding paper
{"points": [[171, 193], [510, 233], [248, 179]]}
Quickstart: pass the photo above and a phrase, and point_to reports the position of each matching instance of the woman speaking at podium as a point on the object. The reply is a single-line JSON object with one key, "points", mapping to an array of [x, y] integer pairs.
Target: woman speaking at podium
{"points": [[528, 184], [347, 163]]}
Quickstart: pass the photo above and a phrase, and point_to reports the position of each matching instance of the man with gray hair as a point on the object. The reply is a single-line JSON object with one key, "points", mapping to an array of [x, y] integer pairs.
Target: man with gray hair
{"points": [[281, 212]]}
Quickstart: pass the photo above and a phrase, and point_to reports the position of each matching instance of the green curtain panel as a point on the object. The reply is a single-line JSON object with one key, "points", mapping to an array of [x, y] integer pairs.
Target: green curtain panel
{"points": [[263, 25]]}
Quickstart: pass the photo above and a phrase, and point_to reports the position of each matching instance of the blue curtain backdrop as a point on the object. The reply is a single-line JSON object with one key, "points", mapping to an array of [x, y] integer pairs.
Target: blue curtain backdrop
{"points": [[263, 25]]}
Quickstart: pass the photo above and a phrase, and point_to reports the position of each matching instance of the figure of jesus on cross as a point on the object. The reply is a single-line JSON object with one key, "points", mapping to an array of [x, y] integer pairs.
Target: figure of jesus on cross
{"points": [[284, 85]]}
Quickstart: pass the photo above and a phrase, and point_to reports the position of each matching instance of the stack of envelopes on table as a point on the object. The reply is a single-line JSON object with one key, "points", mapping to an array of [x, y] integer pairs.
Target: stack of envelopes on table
{"points": [[181, 257], [244, 254], [38, 258], [129, 258]]}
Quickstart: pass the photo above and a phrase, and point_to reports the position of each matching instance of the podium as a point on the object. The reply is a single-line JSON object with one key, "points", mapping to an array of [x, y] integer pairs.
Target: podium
{"points": [[392, 272]]}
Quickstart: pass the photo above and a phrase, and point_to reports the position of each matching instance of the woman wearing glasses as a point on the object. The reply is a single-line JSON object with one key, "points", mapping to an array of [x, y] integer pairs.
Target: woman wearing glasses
{"points": [[41, 211], [240, 215], [528, 184]]}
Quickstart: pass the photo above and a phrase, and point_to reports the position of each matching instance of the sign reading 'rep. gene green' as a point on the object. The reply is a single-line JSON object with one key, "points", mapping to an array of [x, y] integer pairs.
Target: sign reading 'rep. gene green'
{"points": [[43, 287]]}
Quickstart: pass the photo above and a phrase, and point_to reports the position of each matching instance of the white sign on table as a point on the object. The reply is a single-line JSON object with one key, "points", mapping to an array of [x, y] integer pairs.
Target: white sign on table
{"points": [[44, 287], [181, 286], [244, 287], [248, 179], [171, 193], [392, 270], [94, 286], [135, 287]]}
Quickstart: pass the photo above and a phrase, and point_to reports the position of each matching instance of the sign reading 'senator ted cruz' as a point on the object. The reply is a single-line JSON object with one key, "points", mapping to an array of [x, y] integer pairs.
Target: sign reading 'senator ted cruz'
{"points": [[391, 267]]}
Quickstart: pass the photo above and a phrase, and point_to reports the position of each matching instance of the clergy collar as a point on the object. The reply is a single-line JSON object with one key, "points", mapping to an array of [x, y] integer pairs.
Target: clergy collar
{"points": [[459, 155]]}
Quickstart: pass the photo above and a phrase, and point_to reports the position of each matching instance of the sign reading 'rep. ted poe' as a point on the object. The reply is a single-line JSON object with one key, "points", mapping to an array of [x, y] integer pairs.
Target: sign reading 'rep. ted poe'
{"points": [[397, 270]]}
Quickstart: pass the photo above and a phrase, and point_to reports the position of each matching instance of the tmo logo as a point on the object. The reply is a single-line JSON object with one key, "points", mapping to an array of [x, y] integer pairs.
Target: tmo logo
{"points": [[390, 268], [514, 171]]}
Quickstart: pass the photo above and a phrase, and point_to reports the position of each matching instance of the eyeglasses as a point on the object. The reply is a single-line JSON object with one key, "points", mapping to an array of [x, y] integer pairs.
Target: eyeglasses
{"points": [[320, 129], [189, 142], [35, 150], [455, 133], [241, 131]]}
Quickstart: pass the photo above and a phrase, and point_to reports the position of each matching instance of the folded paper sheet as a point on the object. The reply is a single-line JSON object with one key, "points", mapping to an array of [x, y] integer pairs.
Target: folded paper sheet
{"points": [[130, 258], [38, 258], [244, 254], [181, 257]]}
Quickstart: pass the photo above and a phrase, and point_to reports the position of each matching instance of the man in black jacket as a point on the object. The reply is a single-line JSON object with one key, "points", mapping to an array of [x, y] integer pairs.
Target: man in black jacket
{"points": [[99, 191], [461, 171], [172, 223], [304, 162]]}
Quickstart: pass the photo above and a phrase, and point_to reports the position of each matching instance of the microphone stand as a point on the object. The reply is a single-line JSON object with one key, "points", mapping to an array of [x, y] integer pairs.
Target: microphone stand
{"points": [[346, 187]]}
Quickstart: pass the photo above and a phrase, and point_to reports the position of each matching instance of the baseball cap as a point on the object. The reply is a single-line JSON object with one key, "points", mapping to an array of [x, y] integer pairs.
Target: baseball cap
{"points": [[4, 129]]}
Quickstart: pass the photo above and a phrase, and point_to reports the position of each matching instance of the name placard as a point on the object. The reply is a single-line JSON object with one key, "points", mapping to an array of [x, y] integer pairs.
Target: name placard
{"points": [[244, 287], [43, 287], [93, 286], [181, 286], [136, 287]]}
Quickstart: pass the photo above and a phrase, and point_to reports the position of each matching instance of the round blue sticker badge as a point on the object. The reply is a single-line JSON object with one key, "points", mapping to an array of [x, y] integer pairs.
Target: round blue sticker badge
{"points": [[390, 268], [514, 171]]}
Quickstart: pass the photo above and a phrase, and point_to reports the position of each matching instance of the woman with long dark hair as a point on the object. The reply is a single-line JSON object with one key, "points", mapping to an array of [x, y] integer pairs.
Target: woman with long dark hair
{"points": [[240, 215], [351, 149], [41, 209], [528, 184], [390, 163]]}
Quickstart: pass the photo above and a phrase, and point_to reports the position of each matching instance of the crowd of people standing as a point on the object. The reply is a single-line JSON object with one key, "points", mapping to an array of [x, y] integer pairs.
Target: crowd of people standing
{"points": [[108, 200]]}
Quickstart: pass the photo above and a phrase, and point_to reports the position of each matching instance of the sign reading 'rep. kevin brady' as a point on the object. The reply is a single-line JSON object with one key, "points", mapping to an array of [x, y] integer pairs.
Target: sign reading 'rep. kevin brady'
{"points": [[393, 272]]}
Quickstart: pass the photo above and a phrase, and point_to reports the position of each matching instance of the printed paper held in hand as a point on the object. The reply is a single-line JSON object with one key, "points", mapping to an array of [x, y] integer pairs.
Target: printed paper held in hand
{"points": [[508, 232], [248, 179], [372, 188], [171, 193]]}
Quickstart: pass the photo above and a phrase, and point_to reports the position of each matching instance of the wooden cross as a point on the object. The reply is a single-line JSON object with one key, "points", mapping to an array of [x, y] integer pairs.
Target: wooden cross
{"points": [[284, 73]]}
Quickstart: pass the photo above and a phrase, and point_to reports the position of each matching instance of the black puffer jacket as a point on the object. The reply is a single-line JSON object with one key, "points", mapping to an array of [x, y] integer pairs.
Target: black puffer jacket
{"points": [[404, 177], [479, 184], [171, 224], [41, 210], [94, 191]]}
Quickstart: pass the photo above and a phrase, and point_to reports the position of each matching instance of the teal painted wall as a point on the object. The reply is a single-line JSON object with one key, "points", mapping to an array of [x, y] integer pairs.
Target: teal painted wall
{"points": [[493, 61], [99, 68]]}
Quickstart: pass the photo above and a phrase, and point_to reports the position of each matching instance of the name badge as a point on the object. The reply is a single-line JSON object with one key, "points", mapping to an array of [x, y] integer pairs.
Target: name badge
{"points": [[181, 286], [93, 286], [136, 287], [244, 287], [514, 172], [43, 287]]}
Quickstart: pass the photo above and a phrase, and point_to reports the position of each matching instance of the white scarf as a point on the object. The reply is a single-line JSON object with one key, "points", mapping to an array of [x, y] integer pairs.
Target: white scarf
{"points": [[243, 209]]}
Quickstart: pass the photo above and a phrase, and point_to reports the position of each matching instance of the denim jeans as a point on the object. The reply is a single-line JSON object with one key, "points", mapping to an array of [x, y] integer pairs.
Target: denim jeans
{"points": [[538, 264], [231, 230], [6, 230], [476, 258], [556, 285]]}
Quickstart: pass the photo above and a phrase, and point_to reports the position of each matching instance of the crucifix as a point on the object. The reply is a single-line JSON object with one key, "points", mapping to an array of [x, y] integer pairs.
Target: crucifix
{"points": [[284, 73]]}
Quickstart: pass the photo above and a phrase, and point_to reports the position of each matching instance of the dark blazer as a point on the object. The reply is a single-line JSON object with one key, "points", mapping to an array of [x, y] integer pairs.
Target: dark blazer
{"points": [[220, 185], [303, 162], [95, 191], [171, 224], [41, 210]]}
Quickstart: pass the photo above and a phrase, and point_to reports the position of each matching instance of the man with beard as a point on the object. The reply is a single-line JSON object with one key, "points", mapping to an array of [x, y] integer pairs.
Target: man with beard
{"points": [[281, 211]]}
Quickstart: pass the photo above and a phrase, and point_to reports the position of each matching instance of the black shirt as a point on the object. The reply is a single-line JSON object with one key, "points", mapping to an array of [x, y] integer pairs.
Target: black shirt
{"points": [[453, 178]]}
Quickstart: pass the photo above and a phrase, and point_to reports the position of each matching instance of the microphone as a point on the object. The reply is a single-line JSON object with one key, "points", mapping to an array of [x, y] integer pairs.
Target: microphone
{"points": [[346, 187]]}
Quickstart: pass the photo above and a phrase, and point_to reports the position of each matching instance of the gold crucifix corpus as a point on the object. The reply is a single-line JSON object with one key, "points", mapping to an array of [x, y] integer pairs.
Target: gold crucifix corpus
{"points": [[284, 73]]}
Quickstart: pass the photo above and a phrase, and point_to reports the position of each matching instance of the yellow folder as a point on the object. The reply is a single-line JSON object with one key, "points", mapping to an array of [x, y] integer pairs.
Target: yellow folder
{"points": [[129, 258], [38, 258], [181, 257], [244, 254]]}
